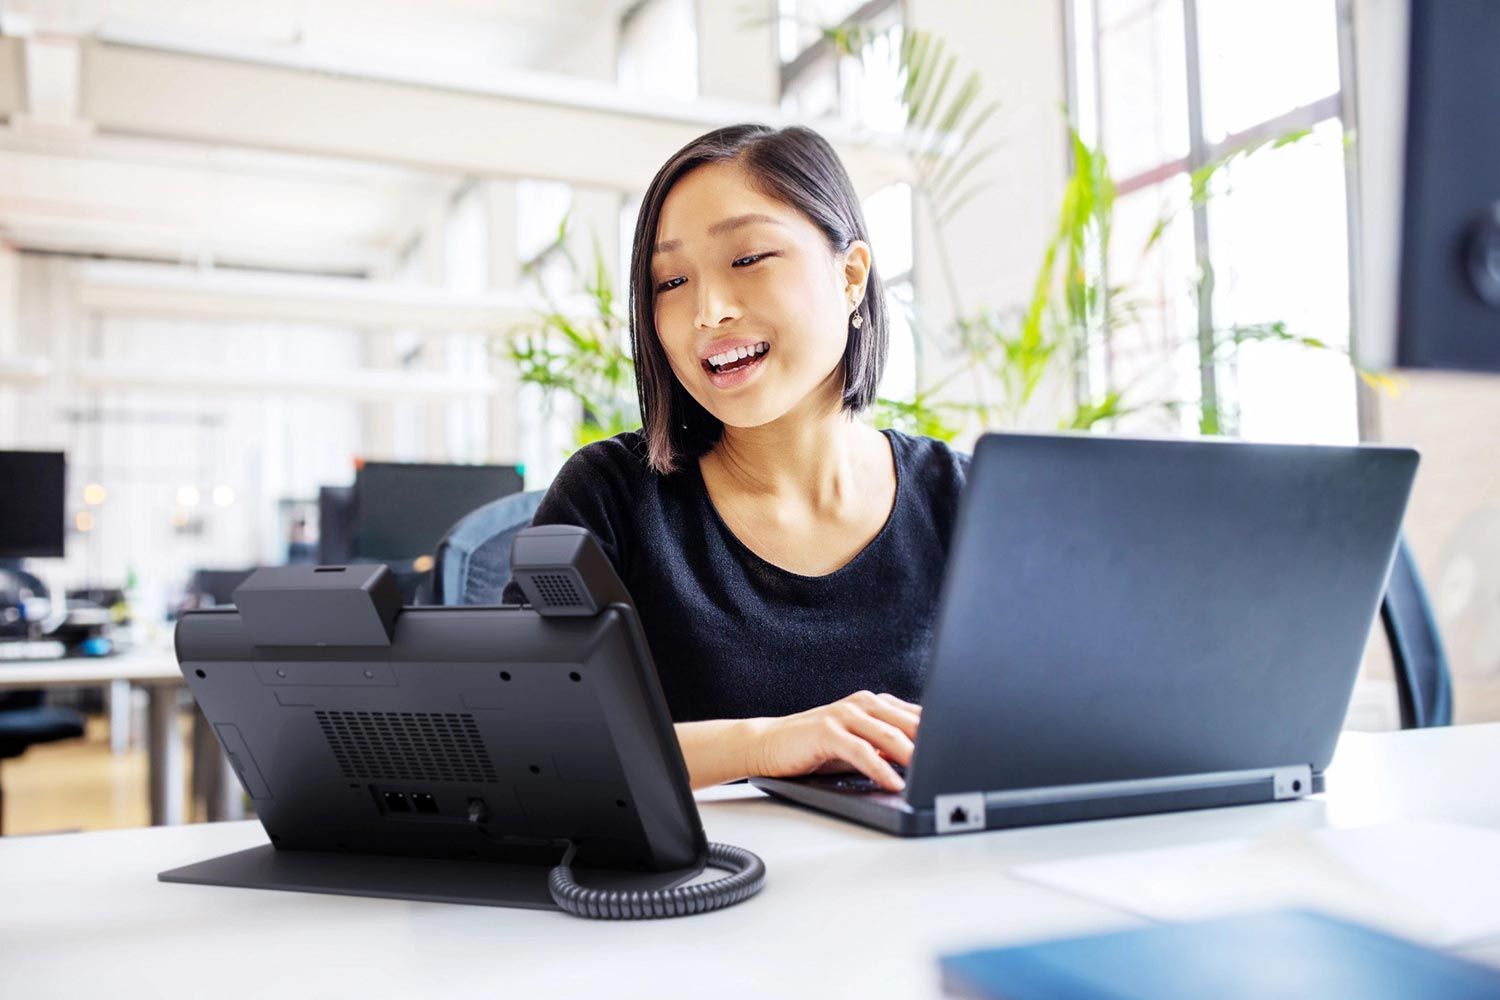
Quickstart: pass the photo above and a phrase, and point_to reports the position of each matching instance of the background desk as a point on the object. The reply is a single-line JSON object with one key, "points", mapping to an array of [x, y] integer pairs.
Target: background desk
{"points": [[154, 669], [845, 911]]}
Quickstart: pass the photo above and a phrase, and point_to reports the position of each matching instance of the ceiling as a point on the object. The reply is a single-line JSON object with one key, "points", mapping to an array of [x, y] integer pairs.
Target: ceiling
{"points": [[517, 34], [66, 188]]}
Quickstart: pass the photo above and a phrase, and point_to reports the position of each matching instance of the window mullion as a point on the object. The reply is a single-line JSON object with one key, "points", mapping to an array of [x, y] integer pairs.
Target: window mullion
{"points": [[1198, 157], [1365, 403]]}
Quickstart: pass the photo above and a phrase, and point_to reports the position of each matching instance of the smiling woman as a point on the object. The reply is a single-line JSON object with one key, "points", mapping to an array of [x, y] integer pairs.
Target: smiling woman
{"points": [[784, 556]]}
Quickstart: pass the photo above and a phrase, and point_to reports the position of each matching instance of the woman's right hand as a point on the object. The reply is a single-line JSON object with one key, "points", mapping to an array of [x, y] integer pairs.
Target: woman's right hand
{"points": [[864, 732]]}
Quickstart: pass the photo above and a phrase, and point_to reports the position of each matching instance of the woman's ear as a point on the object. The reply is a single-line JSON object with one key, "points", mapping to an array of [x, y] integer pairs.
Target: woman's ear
{"points": [[856, 270]]}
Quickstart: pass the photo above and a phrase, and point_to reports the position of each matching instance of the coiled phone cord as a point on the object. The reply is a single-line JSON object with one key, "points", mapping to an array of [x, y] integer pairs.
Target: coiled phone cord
{"points": [[748, 875]]}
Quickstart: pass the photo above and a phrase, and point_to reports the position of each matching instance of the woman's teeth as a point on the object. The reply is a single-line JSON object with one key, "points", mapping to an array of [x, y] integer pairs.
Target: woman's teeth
{"points": [[730, 356]]}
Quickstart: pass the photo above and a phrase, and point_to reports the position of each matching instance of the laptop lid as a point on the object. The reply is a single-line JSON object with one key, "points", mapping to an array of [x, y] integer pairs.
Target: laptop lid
{"points": [[1117, 609]]}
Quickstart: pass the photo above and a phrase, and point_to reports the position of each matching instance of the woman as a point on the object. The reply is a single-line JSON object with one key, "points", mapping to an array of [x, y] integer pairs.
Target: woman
{"points": [[785, 558]]}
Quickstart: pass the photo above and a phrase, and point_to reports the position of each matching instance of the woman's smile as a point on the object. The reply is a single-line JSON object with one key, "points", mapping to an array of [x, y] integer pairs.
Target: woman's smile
{"points": [[735, 366]]}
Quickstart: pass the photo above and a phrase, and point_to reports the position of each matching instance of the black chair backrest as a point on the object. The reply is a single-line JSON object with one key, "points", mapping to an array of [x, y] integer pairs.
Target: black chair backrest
{"points": [[1423, 687]]}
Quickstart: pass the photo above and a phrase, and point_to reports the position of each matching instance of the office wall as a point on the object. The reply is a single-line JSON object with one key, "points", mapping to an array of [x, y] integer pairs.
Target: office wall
{"points": [[192, 478], [1451, 418]]}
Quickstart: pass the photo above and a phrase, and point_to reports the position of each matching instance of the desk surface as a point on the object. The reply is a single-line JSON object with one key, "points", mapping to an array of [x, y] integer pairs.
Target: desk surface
{"points": [[845, 911], [144, 665]]}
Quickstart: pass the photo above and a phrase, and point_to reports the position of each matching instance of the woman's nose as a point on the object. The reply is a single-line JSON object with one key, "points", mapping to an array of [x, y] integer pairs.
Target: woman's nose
{"points": [[715, 306]]}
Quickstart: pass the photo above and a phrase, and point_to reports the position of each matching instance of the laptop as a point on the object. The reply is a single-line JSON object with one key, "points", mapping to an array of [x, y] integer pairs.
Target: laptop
{"points": [[1134, 626]]}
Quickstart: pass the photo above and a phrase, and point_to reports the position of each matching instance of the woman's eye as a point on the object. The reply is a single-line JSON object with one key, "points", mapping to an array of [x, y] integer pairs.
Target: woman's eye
{"points": [[671, 283]]}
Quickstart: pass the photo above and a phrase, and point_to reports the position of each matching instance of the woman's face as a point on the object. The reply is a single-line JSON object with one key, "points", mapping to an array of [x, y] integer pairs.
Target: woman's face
{"points": [[751, 305]]}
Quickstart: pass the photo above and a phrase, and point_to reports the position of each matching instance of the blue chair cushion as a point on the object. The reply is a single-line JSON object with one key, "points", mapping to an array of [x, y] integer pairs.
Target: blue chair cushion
{"points": [[473, 559]]}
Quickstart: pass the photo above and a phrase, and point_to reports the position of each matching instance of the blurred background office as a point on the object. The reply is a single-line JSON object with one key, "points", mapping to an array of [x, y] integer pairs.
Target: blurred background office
{"points": [[309, 281]]}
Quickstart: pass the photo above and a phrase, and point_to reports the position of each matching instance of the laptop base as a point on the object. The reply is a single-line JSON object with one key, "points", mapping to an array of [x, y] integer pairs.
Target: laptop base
{"points": [[1037, 807]]}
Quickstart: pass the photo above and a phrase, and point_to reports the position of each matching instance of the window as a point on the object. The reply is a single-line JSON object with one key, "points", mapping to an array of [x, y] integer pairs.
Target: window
{"points": [[1165, 88]]}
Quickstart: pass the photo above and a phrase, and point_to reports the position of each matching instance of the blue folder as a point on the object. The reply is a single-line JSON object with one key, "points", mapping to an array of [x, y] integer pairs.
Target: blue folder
{"points": [[1279, 954]]}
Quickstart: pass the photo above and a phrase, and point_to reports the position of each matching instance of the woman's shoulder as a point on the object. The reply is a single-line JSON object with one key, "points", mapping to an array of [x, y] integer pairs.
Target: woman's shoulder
{"points": [[933, 474], [611, 475], [930, 460], [601, 487]]}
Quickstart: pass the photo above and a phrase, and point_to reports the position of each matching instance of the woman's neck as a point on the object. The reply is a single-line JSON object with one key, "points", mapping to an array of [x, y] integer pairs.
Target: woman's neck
{"points": [[821, 458]]}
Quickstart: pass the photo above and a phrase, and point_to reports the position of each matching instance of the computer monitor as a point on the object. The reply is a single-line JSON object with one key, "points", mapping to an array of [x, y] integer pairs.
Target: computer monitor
{"points": [[1449, 310], [32, 508], [403, 509]]}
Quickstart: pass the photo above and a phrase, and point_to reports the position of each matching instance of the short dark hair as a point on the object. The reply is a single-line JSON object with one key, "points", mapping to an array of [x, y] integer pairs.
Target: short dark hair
{"points": [[795, 166]]}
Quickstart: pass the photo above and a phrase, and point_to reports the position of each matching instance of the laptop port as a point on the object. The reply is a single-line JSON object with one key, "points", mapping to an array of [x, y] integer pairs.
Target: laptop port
{"points": [[396, 802], [425, 803]]}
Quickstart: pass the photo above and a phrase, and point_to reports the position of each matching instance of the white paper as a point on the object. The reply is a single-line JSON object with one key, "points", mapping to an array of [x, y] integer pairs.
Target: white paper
{"points": [[1435, 882]]}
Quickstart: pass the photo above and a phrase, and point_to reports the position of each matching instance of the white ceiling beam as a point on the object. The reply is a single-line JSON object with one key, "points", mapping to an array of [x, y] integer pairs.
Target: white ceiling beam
{"points": [[21, 370], [368, 385], [168, 292], [583, 132], [94, 196], [106, 238]]}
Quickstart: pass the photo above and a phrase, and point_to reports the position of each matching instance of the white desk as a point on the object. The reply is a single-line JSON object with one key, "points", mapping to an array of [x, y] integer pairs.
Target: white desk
{"points": [[845, 911], [156, 670]]}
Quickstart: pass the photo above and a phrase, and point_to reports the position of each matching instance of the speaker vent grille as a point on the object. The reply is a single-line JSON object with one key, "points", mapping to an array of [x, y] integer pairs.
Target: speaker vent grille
{"points": [[407, 746], [556, 589]]}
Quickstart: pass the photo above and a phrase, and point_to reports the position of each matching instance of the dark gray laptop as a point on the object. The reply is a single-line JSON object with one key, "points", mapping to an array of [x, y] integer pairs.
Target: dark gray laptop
{"points": [[1132, 626]]}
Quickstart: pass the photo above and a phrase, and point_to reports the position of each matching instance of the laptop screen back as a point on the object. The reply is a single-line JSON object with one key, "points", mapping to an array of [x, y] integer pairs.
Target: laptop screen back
{"points": [[1118, 609]]}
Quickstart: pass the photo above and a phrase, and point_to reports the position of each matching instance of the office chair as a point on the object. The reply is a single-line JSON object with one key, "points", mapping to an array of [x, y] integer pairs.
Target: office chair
{"points": [[25, 721], [1423, 688], [473, 559]]}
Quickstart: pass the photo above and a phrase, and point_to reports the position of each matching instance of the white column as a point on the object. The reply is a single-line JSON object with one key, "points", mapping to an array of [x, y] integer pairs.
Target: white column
{"points": [[736, 60], [10, 336], [499, 199], [995, 243], [434, 253], [596, 213]]}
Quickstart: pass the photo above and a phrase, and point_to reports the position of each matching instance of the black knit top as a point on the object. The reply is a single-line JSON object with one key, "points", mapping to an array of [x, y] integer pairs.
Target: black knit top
{"points": [[734, 636]]}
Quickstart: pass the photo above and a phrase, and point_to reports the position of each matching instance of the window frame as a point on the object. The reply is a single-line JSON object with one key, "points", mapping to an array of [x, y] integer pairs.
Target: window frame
{"points": [[1085, 101]]}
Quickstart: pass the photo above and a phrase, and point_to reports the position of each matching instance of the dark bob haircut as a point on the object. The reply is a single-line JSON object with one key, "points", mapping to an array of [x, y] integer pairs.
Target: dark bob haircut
{"points": [[798, 168]]}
